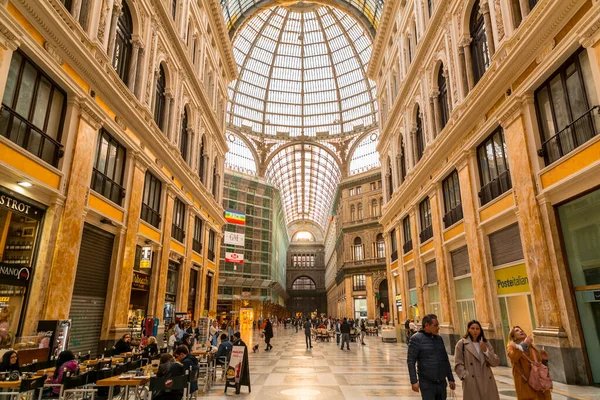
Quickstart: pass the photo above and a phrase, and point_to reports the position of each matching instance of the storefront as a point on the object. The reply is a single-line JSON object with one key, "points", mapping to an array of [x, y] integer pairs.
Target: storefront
{"points": [[193, 291], [171, 292], [580, 224], [360, 308], [208, 293], [413, 302], [140, 286], [20, 223]]}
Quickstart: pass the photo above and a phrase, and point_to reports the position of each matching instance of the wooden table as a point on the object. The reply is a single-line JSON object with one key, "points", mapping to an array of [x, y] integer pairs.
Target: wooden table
{"points": [[13, 385], [50, 371], [126, 383]]}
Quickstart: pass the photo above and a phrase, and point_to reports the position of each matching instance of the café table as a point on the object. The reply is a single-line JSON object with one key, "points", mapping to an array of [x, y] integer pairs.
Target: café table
{"points": [[14, 385], [134, 382]]}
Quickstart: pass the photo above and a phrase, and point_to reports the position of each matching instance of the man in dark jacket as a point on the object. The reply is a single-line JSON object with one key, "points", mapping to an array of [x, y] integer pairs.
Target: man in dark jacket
{"points": [[345, 330], [307, 333], [426, 348], [224, 349], [169, 368], [237, 339], [190, 364]]}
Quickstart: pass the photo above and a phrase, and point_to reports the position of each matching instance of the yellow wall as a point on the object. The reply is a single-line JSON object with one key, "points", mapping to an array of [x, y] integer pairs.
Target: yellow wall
{"points": [[571, 165], [28, 166], [496, 208], [178, 247], [408, 257], [149, 232], [105, 208], [427, 247], [457, 230]]}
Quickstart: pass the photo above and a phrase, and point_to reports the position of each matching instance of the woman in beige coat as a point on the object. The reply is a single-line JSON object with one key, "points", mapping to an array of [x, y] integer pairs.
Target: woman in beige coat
{"points": [[473, 359]]}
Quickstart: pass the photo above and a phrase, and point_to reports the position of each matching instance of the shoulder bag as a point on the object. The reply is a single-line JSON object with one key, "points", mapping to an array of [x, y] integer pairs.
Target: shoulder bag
{"points": [[539, 376]]}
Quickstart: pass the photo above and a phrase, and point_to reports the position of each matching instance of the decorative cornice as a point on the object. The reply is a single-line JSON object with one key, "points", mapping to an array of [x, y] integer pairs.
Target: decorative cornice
{"points": [[225, 46], [384, 31]]}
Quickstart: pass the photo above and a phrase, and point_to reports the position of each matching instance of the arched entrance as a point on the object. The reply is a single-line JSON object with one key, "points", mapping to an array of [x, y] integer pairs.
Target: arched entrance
{"points": [[384, 300]]}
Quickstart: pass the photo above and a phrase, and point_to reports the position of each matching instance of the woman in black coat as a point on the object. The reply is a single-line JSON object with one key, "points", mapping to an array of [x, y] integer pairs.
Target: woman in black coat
{"points": [[268, 334]]}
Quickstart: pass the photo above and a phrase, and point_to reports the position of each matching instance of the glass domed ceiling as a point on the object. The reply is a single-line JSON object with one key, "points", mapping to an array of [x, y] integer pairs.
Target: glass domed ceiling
{"points": [[302, 72]]}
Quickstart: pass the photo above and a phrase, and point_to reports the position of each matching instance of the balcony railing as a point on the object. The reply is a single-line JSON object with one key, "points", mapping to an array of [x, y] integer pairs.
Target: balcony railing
{"points": [[571, 137], [394, 255], [23, 133], [177, 233], [358, 288], [211, 255], [197, 246], [406, 247], [150, 216], [426, 234], [453, 216], [495, 188], [368, 261], [108, 188]]}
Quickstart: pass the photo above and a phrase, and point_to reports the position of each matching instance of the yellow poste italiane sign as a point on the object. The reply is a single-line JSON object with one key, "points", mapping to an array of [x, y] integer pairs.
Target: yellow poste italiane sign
{"points": [[512, 280]]}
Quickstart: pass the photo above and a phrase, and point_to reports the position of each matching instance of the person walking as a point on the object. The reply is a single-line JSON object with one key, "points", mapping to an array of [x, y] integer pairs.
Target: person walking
{"points": [[473, 359], [426, 352], [296, 323], [338, 333], [268, 334], [345, 331], [307, 333], [363, 331], [521, 352]]}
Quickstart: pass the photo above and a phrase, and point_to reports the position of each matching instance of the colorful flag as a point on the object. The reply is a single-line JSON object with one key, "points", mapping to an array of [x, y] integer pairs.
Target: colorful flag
{"points": [[235, 217]]}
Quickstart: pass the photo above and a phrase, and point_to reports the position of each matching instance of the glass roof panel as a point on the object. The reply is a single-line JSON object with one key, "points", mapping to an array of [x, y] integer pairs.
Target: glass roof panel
{"points": [[365, 156], [239, 157]]}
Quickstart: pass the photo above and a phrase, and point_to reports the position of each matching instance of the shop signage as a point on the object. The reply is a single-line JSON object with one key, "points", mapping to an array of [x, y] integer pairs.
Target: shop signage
{"points": [[140, 281], [512, 280], [145, 257], [597, 295], [233, 238], [15, 205], [170, 298], [234, 258], [14, 275], [235, 217]]}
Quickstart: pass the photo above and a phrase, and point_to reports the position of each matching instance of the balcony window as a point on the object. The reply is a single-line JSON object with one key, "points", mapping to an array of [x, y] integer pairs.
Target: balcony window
{"points": [[197, 240], [374, 208], [151, 200], [357, 250], [480, 56], [380, 245], [407, 246], [123, 47], [33, 110], [442, 98], [184, 137], [201, 161], [359, 282], [160, 101], [359, 211], [425, 216], [452, 201], [420, 136], [178, 227], [109, 168], [493, 167], [567, 108], [211, 245], [352, 213]]}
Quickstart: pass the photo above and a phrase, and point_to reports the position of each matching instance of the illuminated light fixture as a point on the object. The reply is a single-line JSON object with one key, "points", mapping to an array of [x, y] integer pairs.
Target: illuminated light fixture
{"points": [[25, 184]]}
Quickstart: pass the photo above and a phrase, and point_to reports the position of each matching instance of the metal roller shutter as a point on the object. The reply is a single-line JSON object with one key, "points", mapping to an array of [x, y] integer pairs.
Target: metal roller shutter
{"points": [[460, 261], [505, 245], [412, 281], [89, 293], [431, 269]]}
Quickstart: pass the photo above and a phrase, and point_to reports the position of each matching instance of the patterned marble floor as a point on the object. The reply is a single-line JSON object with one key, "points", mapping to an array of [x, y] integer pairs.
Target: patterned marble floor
{"points": [[376, 370]]}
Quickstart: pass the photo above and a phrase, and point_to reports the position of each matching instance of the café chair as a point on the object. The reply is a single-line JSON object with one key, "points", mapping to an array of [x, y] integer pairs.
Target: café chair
{"points": [[163, 384], [192, 376], [76, 386]]}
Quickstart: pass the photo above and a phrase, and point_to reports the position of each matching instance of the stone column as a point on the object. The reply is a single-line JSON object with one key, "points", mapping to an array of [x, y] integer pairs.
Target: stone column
{"points": [[414, 152], [76, 9], [8, 44], [440, 259], [463, 84], [116, 13], [484, 9], [138, 75], [132, 226], [436, 112], [167, 115], [417, 260], [371, 305], [70, 231], [475, 249], [349, 298], [533, 236], [163, 267], [525, 9], [133, 66], [184, 272], [466, 45]]}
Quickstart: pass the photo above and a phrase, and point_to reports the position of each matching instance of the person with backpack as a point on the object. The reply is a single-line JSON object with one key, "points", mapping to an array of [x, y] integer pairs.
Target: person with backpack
{"points": [[529, 367], [473, 359]]}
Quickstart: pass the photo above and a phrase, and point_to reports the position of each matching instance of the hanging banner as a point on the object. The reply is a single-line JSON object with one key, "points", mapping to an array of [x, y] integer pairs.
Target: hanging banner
{"points": [[145, 257], [235, 217], [233, 238], [234, 258]]}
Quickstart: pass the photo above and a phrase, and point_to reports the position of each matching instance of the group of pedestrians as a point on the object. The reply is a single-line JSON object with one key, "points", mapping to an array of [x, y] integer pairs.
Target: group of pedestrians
{"points": [[474, 357]]}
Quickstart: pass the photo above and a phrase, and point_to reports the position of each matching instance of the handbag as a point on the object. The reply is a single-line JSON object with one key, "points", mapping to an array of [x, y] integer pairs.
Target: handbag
{"points": [[539, 376]]}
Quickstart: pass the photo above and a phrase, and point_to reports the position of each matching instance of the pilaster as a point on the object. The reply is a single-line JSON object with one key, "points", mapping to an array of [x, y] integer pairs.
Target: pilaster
{"points": [[163, 266]]}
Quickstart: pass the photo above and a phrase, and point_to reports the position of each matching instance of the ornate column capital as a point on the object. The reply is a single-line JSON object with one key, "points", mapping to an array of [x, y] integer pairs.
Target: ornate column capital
{"points": [[465, 42], [484, 7]]}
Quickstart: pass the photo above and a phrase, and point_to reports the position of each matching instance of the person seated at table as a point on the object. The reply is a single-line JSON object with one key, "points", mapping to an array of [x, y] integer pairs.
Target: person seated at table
{"points": [[10, 362], [190, 363], [237, 340], [168, 368], [65, 362], [151, 346], [224, 349], [186, 341], [123, 345]]}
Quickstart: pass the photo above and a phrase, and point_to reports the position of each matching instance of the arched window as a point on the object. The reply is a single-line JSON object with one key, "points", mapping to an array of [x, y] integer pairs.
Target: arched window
{"points": [[359, 211], [215, 185], [159, 104], [201, 161], [420, 136], [374, 212], [352, 213], [442, 98], [357, 249], [304, 283], [122, 54], [380, 245], [479, 46], [401, 162], [183, 140], [303, 236], [390, 181]]}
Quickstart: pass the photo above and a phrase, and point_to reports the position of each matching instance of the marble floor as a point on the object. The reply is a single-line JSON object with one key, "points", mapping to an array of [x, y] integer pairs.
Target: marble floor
{"points": [[376, 370]]}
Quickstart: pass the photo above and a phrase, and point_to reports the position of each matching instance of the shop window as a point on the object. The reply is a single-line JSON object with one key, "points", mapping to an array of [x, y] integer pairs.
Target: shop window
{"points": [[435, 306], [151, 200], [407, 235], [123, 47], [359, 282], [197, 240], [109, 168], [480, 56], [394, 245], [452, 202], [178, 226], [33, 110], [567, 108], [184, 137], [160, 100], [442, 98], [425, 217], [420, 135], [143, 265], [494, 171], [465, 302], [304, 283], [380, 246], [211, 245]]}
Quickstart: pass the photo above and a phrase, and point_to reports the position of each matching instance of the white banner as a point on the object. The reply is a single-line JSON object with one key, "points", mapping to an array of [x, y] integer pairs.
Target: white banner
{"points": [[236, 239], [234, 258]]}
